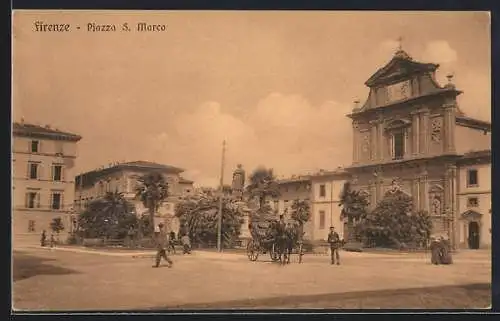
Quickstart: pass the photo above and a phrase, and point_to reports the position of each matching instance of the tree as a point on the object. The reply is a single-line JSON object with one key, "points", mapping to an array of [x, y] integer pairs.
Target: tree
{"points": [[152, 190], [301, 213], [394, 223], [354, 205], [198, 216], [110, 216], [57, 225], [262, 185]]}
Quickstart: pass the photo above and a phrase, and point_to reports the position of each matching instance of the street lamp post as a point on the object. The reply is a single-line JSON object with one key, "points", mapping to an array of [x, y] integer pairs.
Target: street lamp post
{"points": [[219, 225]]}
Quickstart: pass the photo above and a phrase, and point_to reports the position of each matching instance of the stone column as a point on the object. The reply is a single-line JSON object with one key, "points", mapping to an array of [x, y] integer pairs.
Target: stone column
{"points": [[373, 141], [449, 128], [424, 191], [356, 142], [379, 181], [380, 137], [372, 191], [415, 132], [451, 171], [424, 131], [415, 193]]}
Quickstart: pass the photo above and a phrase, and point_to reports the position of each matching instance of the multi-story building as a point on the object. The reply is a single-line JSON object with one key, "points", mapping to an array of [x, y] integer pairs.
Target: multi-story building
{"points": [[473, 227], [325, 199], [411, 133], [294, 188], [43, 160], [122, 178]]}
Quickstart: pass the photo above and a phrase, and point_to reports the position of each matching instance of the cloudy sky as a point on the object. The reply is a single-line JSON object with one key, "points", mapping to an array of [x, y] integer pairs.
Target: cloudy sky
{"points": [[275, 85]]}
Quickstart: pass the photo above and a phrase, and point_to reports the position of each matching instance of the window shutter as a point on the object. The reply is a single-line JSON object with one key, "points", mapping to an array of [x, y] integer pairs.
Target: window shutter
{"points": [[39, 171], [51, 200], [28, 171], [26, 200], [37, 200], [61, 200], [62, 173]]}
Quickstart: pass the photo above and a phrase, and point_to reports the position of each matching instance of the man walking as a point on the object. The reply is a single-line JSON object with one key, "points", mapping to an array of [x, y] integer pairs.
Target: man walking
{"points": [[334, 241], [161, 243]]}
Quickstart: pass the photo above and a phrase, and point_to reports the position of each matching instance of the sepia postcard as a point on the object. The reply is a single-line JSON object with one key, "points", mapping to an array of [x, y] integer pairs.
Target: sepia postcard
{"points": [[250, 160]]}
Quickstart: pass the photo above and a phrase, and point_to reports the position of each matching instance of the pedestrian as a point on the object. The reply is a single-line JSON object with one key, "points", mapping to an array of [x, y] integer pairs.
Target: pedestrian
{"points": [[52, 240], [186, 244], [131, 234], [161, 244], [43, 238], [171, 242], [334, 241]]}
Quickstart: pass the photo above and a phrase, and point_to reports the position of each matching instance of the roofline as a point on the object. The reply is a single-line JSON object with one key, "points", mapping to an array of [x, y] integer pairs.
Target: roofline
{"points": [[293, 180], [372, 81], [395, 104], [54, 135], [473, 123]]}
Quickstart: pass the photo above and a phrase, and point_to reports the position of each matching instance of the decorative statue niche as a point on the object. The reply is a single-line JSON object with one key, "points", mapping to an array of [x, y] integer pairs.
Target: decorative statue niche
{"points": [[436, 200]]}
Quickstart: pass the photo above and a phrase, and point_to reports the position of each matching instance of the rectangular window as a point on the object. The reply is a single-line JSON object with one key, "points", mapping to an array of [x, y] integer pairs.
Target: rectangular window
{"points": [[472, 202], [31, 199], [33, 174], [31, 226], [322, 190], [34, 146], [321, 220], [398, 141], [472, 178], [56, 201], [57, 172]]}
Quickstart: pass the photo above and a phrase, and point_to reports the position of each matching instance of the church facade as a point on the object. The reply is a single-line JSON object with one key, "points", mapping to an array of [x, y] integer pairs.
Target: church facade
{"points": [[411, 133]]}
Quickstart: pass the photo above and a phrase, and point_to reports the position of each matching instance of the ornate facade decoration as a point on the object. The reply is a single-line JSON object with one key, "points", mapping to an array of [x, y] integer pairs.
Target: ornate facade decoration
{"points": [[365, 143], [436, 205], [437, 124]]}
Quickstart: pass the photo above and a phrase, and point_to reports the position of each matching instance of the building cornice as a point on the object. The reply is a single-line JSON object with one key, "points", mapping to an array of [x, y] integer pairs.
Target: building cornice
{"points": [[35, 131], [473, 123], [397, 104]]}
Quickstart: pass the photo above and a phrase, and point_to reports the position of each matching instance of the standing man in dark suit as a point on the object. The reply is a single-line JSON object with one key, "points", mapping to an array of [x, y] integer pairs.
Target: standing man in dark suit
{"points": [[161, 245], [334, 241]]}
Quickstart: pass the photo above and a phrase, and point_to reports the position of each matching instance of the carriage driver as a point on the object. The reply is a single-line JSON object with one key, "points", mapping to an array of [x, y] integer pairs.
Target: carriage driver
{"points": [[334, 240]]}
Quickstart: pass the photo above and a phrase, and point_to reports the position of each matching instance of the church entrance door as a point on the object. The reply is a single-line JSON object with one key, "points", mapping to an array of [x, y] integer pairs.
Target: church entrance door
{"points": [[474, 235]]}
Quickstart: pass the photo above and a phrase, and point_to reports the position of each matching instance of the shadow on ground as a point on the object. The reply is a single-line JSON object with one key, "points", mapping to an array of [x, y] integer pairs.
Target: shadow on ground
{"points": [[472, 296], [26, 266]]}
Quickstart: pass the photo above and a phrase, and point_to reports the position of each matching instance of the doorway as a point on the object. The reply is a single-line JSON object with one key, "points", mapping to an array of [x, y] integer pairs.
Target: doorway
{"points": [[473, 235]]}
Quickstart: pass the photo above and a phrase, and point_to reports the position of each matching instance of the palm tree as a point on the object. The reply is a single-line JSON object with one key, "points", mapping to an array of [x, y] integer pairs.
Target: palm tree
{"points": [[354, 205], [152, 190], [262, 185], [301, 213]]}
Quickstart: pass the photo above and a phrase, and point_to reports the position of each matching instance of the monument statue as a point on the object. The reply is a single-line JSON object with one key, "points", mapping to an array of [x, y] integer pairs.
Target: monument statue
{"points": [[238, 183]]}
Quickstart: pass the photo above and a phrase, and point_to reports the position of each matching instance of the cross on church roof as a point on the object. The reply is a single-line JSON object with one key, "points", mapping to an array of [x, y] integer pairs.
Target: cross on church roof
{"points": [[400, 43]]}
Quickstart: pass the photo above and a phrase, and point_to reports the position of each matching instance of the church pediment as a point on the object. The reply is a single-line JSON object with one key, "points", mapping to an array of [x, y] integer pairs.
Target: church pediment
{"points": [[401, 66], [470, 215]]}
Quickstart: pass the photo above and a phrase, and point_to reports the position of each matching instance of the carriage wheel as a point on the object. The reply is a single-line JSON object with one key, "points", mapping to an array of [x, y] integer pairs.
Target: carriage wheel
{"points": [[301, 253], [274, 254], [252, 251]]}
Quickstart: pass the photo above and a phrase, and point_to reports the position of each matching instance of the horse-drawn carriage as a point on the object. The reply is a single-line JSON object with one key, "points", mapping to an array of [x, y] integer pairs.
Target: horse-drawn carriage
{"points": [[280, 243]]}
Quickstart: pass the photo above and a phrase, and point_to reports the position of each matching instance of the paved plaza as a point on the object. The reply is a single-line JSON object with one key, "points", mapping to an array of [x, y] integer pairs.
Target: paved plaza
{"points": [[81, 279]]}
